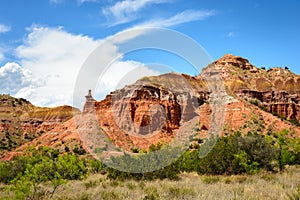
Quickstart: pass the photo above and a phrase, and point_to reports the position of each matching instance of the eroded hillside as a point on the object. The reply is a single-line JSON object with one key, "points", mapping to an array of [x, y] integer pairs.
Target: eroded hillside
{"points": [[21, 122], [153, 110]]}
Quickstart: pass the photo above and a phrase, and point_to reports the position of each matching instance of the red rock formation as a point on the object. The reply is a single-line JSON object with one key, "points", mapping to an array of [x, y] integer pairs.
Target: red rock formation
{"points": [[149, 111], [156, 111], [21, 122], [154, 108], [276, 89], [89, 105]]}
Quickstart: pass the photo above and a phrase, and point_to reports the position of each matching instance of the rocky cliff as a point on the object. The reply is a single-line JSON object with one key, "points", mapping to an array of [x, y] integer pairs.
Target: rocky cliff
{"points": [[152, 109], [149, 111], [21, 122], [230, 92], [277, 90]]}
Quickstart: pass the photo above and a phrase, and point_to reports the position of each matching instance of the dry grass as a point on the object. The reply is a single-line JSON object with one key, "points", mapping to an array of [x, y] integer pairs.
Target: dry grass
{"points": [[265, 185]]}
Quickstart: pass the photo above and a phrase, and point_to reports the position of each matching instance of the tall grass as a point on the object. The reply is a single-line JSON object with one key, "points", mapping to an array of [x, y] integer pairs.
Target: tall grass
{"points": [[264, 185]]}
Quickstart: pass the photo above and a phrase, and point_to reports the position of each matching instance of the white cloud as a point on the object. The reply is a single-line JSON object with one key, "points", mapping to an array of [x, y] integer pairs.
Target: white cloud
{"points": [[180, 18], [54, 56], [126, 11], [124, 73], [13, 78], [78, 1], [85, 1], [2, 52], [4, 28], [56, 1], [50, 59], [230, 34], [1, 56]]}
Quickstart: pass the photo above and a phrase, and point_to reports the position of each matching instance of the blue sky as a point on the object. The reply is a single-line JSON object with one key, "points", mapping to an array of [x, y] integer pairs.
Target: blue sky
{"points": [[44, 43]]}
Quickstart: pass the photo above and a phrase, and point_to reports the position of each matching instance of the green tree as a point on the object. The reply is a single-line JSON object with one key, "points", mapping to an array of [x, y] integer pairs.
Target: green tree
{"points": [[243, 163], [45, 165], [29, 184], [288, 148], [95, 165]]}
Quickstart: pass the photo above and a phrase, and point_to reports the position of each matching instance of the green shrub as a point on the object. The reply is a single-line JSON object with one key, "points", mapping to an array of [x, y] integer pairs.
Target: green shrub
{"points": [[211, 179], [95, 165], [254, 102], [234, 154], [243, 163], [181, 192], [9, 170], [146, 162], [218, 160], [78, 149], [295, 122], [238, 154], [189, 161], [259, 152], [27, 172]]}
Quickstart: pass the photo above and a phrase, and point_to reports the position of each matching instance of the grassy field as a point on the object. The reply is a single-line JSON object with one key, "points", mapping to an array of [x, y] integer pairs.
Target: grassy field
{"points": [[264, 185]]}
